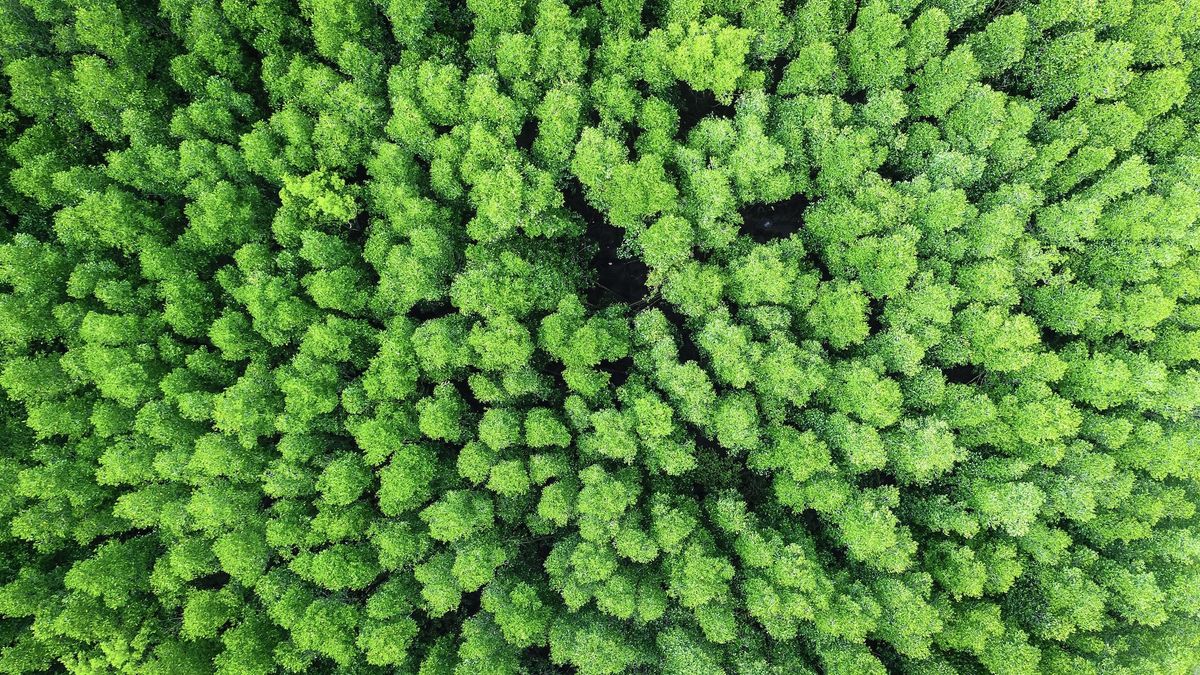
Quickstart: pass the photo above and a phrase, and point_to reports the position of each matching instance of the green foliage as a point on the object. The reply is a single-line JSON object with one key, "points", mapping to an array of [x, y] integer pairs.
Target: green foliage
{"points": [[521, 336]]}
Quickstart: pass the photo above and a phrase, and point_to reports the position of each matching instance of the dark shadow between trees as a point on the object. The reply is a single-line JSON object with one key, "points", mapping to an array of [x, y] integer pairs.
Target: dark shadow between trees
{"points": [[778, 220], [615, 277]]}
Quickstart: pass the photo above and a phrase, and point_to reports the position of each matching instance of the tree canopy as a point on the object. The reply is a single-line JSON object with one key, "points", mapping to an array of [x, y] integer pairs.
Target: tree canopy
{"points": [[517, 336]]}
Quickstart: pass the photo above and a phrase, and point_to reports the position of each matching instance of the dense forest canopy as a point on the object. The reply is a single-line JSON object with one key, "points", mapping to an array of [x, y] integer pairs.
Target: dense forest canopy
{"points": [[683, 336]]}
